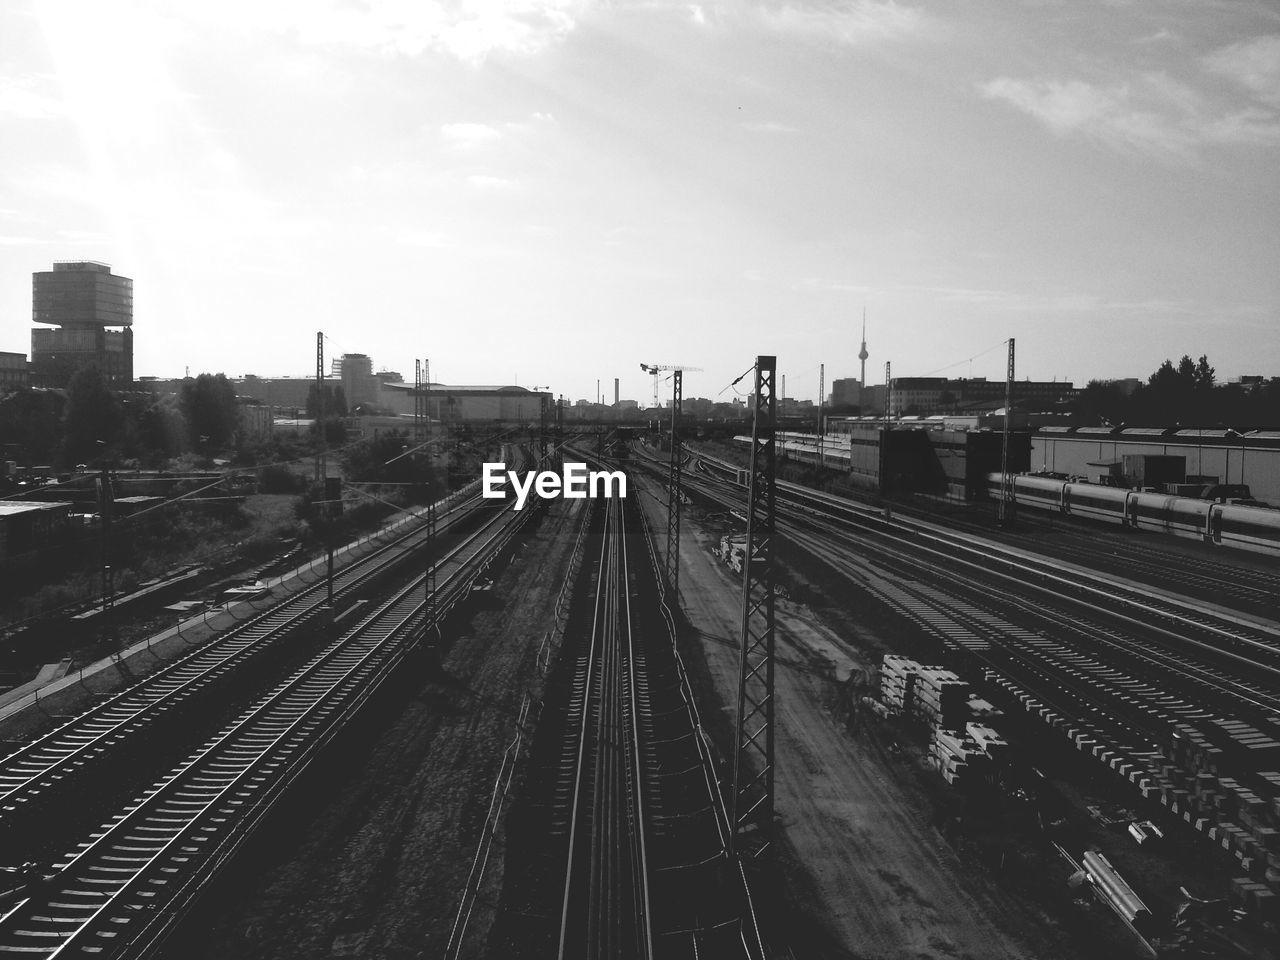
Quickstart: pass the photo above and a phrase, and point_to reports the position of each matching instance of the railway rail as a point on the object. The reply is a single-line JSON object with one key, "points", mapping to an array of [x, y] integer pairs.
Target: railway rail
{"points": [[125, 886], [621, 850], [606, 910], [42, 783], [1246, 582], [1161, 691]]}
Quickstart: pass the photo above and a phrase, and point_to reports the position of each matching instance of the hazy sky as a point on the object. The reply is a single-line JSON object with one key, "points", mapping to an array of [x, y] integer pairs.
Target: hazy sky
{"points": [[557, 190]]}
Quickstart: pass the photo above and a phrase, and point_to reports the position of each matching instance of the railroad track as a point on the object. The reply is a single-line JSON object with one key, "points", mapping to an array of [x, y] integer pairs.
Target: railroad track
{"points": [[606, 909], [622, 846], [1218, 579], [1159, 693], [42, 783], [1255, 641], [124, 887], [1222, 659]]}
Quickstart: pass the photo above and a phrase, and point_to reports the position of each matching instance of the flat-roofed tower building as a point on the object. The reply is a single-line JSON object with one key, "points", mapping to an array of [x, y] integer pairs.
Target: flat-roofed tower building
{"points": [[91, 310]]}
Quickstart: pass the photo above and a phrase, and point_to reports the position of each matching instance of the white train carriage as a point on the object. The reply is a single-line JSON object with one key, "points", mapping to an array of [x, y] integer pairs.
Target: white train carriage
{"points": [[1230, 525], [1180, 516], [1096, 502], [1246, 528], [1037, 491]]}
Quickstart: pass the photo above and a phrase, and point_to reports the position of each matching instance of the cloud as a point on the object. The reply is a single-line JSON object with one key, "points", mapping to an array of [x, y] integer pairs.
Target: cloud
{"points": [[484, 182], [1156, 114], [18, 99], [470, 30], [469, 135], [823, 285], [1114, 116], [425, 238], [1150, 113], [849, 23], [769, 126], [1254, 64], [21, 241]]}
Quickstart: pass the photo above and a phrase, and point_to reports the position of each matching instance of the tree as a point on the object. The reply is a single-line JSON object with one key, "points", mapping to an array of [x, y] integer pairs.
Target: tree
{"points": [[31, 424], [1100, 401], [162, 429], [1203, 374], [95, 417], [209, 405]]}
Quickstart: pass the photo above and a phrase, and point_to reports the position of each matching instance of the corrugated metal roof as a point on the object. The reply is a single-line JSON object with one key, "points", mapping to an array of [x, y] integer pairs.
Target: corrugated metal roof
{"points": [[469, 388], [10, 508]]}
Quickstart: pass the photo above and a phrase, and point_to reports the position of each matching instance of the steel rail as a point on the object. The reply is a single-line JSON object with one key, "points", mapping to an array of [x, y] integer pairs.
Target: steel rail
{"points": [[222, 778], [851, 510], [606, 906], [27, 774], [1033, 577]]}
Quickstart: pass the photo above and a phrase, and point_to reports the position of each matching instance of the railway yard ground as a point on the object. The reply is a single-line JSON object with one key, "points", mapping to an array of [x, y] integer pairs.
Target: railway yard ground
{"points": [[385, 833]]}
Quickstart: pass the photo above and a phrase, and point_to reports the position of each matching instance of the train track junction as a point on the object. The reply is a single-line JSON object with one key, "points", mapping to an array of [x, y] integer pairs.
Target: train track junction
{"points": [[559, 731]]}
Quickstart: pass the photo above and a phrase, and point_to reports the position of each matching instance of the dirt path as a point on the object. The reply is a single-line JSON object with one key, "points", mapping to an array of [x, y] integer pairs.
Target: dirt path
{"points": [[870, 875], [370, 861]]}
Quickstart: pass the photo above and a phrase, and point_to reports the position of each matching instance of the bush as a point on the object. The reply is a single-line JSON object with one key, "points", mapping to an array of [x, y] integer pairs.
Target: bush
{"points": [[277, 479]]}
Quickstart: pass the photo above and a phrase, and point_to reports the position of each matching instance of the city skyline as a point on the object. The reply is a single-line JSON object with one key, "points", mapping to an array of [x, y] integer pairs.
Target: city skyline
{"points": [[554, 192]]}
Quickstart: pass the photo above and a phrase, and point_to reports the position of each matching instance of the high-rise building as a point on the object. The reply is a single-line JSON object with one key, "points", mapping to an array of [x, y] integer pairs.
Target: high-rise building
{"points": [[83, 300], [359, 385], [846, 392]]}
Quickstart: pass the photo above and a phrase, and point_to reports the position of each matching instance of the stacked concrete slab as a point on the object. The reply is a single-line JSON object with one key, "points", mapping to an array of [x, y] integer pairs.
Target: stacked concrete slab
{"points": [[1191, 777], [942, 699]]}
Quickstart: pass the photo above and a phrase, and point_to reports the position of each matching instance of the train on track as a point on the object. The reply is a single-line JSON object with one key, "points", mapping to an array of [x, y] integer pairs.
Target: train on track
{"points": [[1225, 524]]}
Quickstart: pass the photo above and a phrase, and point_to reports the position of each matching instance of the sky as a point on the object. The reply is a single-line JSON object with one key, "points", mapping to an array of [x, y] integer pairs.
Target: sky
{"points": [[551, 192]]}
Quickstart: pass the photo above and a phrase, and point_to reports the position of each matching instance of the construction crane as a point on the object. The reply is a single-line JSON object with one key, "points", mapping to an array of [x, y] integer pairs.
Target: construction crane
{"points": [[657, 369]]}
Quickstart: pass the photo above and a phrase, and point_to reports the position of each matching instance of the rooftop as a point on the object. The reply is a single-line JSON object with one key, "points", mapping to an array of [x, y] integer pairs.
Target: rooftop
{"points": [[11, 508]]}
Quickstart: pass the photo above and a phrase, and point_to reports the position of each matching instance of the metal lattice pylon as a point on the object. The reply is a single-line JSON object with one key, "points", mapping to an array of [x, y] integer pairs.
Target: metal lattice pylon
{"points": [[429, 584], [419, 403], [673, 490], [753, 764], [322, 468], [1006, 478], [543, 427]]}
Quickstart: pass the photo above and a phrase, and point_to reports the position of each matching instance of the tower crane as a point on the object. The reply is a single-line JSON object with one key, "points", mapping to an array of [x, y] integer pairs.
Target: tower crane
{"points": [[657, 369]]}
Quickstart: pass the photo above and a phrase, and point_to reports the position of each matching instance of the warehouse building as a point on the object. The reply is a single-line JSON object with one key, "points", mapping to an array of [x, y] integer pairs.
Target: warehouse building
{"points": [[26, 526]]}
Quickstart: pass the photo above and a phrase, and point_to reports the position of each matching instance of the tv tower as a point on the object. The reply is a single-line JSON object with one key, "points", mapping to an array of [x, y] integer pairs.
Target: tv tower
{"points": [[862, 355]]}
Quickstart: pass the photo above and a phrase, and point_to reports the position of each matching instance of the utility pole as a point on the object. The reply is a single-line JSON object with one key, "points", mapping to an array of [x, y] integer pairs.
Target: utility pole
{"points": [[106, 505], [322, 448], [673, 489], [543, 425], [419, 403], [1006, 481], [822, 398], [560, 423], [429, 581], [322, 466], [884, 437], [753, 762]]}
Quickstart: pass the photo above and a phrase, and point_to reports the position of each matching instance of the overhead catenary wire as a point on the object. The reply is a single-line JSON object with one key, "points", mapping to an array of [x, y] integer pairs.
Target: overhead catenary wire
{"points": [[981, 353], [733, 386]]}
